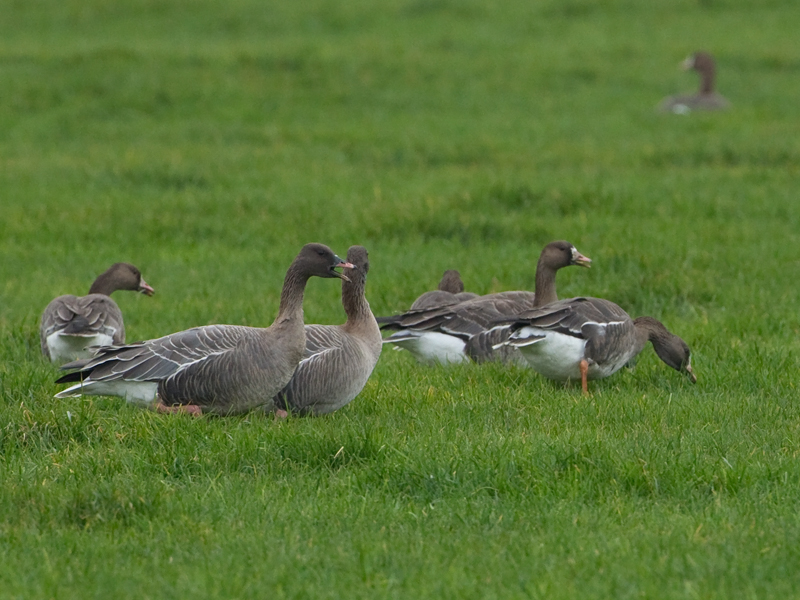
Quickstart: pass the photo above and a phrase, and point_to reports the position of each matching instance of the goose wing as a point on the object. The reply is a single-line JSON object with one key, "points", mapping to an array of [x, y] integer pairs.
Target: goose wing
{"points": [[160, 359], [83, 316]]}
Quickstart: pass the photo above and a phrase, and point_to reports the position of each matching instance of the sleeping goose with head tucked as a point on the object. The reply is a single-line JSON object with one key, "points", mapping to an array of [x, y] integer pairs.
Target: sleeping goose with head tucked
{"points": [[220, 369], [72, 324]]}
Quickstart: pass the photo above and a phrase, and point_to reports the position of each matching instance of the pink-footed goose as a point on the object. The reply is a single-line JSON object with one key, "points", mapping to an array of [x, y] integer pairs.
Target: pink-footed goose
{"points": [[450, 291], [220, 369], [338, 359], [706, 98], [467, 330], [591, 338], [72, 324]]}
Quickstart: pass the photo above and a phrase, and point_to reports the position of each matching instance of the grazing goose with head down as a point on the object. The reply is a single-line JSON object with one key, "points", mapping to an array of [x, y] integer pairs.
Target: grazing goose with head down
{"points": [[706, 98], [591, 338], [468, 330], [71, 324], [450, 291], [338, 359], [221, 369]]}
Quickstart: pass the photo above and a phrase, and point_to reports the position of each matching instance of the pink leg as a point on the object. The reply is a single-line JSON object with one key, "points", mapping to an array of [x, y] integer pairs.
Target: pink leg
{"points": [[280, 414], [584, 374], [189, 409]]}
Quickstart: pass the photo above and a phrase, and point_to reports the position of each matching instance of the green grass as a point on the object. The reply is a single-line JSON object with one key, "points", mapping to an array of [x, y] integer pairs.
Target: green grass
{"points": [[206, 142]]}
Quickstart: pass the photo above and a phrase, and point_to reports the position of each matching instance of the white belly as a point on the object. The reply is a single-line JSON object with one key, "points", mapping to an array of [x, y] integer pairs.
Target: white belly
{"points": [[430, 347], [65, 348], [556, 356]]}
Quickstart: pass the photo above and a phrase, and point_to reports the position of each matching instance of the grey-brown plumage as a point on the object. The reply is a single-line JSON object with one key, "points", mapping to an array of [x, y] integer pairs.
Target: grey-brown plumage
{"points": [[71, 324], [705, 98], [222, 369], [338, 359], [468, 330], [449, 291], [591, 338]]}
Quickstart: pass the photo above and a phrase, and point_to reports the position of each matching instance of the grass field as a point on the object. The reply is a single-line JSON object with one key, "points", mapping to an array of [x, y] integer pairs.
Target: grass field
{"points": [[207, 142]]}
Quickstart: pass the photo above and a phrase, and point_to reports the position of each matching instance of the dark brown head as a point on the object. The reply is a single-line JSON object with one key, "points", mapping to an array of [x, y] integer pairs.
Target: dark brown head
{"points": [[120, 276], [557, 255], [703, 63], [359, 258], [669, 347], [451, 282], [317, 260]]}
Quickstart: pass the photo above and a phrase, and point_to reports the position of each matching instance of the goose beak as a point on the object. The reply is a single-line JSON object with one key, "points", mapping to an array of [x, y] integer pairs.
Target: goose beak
{"points": [[687, 63], [581, 260], [145, 289], [690, 373], [344, 265]]}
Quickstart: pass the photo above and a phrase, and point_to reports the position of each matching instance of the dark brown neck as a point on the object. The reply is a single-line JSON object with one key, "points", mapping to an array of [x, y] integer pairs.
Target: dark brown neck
{"points": [[294, 286], [104, 284], [354, 302], [545, 285], [707, 81], [650, 329]]}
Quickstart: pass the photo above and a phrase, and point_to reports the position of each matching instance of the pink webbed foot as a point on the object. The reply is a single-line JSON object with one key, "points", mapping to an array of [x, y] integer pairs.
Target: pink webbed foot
{"points": [[190, 409], [584, 375]]}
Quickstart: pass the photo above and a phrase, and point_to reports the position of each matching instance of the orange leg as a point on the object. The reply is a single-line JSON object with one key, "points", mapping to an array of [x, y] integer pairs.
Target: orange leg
{"points": [[189, 409], [584, 374]]}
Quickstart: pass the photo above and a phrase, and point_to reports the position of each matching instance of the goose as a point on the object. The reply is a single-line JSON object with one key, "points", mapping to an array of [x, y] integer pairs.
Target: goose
{"points": [[219, 369], [591, 338], [706, 98], [450, 291], [338, 359], [71, 324], [467, 330]]}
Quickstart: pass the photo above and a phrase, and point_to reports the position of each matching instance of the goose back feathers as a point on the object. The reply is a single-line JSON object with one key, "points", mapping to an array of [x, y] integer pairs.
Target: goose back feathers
{"points": [[338, 359], [222, 369], [450, 291], [468, 330], [71, 324]]}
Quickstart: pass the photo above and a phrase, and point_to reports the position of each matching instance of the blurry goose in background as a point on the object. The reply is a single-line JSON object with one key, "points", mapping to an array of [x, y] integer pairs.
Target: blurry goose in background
{"points": [[71, 324], [591, 338], [338, 359], [450, 291], [468, 330], [222, 369], [706, 98]]}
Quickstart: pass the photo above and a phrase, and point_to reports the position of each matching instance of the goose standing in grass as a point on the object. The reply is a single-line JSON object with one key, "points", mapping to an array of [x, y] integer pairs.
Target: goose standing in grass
{"points": [[468, 330], [221, 369], [338, 359], [72, 324], [450, 291], [706, 98], [591, 338]]}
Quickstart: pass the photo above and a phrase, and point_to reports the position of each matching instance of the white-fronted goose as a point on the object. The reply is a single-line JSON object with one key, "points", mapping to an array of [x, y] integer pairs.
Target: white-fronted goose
{"points": [[706, 98], [339, 358], [591, 338], [221, 369], [468, 330], [71, 324], [450, 291]]}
